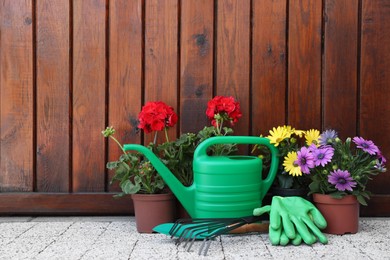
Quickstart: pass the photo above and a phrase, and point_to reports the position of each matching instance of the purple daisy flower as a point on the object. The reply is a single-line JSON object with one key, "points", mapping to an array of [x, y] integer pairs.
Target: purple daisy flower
{"points": [[381, 158], [312, 147], [327, 137], [366, 145], [380, 167], [380, 162], [323, 155], [305, 160], [342, 180]]}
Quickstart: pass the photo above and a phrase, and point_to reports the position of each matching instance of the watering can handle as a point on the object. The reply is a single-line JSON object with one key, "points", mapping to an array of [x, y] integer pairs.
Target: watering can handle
{"points": [[201, 150]]}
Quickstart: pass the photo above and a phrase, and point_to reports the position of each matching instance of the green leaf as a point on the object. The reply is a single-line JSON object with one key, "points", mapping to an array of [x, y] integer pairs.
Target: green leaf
{"points": [[129, 188], [285, 181], [366, 194], [338, 194], [361, 200], [160, 184], [137, 180], [124, 158], [121, 171], [314, 187], [112, 165], [228, 131], [126, 166]]}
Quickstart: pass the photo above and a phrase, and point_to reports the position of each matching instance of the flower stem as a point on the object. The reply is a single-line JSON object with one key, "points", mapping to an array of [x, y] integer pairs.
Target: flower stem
{"points": [[113, 138], [218, 129], [166, 134], [155, 137]]}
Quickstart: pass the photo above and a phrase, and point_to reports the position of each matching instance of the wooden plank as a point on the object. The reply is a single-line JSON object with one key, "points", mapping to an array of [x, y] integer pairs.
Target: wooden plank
{"points": [[64, 204], [89, 95], [17, 96], [340, 74], [125, 64], [196, 62], [374, 82], [304, 64], [268, 65], [161, 56], [378, 206], [233, 56], [53, 96], [104, 204]]}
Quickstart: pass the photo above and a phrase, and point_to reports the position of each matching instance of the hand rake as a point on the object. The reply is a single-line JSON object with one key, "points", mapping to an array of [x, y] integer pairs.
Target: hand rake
{"points": [[189, 230]]}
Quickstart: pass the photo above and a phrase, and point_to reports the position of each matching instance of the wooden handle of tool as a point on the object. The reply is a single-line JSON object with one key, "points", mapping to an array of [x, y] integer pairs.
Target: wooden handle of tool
{"points": [[253, 227]]}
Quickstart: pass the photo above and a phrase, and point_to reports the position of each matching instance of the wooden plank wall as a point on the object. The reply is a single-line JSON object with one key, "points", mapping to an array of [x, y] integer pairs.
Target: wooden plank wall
{"points": [[70, 68]]}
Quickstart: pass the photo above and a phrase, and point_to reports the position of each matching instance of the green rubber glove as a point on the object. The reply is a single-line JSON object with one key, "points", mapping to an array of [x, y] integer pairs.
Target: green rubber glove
{"points": [[293, 219]]}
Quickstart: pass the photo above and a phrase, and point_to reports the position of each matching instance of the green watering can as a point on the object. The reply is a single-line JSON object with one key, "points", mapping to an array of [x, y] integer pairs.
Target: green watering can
{"points": [[224, 186]]}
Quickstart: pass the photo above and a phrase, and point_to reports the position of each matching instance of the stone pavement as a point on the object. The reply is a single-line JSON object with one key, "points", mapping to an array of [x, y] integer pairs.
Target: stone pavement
{"points": [[117, 238]]}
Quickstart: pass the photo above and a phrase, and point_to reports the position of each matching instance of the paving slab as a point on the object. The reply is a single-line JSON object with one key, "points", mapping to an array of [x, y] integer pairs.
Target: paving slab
{"points": [[117, 238]]}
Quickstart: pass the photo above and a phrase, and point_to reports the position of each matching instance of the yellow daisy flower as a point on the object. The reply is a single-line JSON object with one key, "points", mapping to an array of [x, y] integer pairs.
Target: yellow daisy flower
{"points": [[290, 166], [312, 137], [299, 133], [278, 134], [289, 129]]}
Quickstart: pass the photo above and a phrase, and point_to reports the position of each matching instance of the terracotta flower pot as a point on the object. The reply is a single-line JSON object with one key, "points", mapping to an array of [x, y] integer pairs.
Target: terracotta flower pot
{"points": [[342, 215], [152, 210]]}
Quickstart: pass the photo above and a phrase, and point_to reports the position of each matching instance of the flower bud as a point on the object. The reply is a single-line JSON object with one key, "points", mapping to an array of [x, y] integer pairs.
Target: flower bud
{"points": [[217, 116], [337, 140], [373, 163], [109, 131], [325, 172], [335, 167], [293, 140]]}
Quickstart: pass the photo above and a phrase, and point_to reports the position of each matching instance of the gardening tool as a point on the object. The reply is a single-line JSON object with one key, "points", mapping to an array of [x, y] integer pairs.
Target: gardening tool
{"points": [[292, 219], [224, 186], [189, 230]]}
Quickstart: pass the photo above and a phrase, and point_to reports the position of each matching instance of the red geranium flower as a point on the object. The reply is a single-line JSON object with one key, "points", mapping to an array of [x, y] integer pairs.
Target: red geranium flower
{"points": [[155, 116], [227, 108]]}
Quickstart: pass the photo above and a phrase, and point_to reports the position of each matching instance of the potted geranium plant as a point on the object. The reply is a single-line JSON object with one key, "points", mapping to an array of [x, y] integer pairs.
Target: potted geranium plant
{"points": [[339, 172], [153, 203]]}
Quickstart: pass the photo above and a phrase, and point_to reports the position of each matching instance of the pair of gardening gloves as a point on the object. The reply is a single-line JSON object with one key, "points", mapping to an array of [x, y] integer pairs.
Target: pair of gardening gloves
{"points": [[293, 220]]}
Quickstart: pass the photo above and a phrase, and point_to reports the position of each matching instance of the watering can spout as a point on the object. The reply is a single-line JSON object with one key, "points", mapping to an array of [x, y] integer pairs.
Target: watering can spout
{"points": [[186, 195]]}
